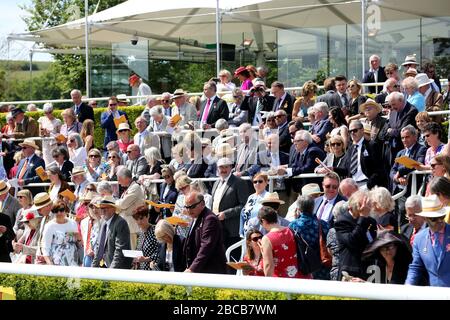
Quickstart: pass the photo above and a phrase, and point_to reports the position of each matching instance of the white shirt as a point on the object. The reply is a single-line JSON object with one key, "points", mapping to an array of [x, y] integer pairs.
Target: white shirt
{"points": [[327, 211], [78, 157], [144, 90], [375, 74], [359, 175], [219, 193]]}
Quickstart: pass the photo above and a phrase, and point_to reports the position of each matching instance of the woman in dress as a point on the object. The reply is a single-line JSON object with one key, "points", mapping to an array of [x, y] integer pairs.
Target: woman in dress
{"points": [[57, 183], [114, 162], [278, 247], [383, 207], [49, 126], [417, 99], [422, 119], [433, 135], [87, 134], [180, 157], [253, 204], [90, 229], [337, 119], [302, 104], [8, 128], [168, 192], [170, 256], [61, 157], [60, 238], [71, 124], [183, 185], [253, 254], [77, 151], [146, 241]]}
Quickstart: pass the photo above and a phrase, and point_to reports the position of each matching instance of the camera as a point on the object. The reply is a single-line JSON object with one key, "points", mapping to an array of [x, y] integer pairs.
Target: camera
{"points": [[134, 40]]}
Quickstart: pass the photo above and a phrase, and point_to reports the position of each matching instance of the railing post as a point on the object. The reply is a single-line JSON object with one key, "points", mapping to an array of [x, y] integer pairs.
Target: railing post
{"points": [[414, 183], [271, 184]]}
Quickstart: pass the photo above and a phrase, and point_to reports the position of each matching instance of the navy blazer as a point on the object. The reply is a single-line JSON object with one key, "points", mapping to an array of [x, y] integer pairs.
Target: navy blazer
{"points": [[306, 164], [84, 112], [30, 175], [217, 110], [285, 141], [171, 197], [204, 247], [179, 263], [321, 128], [286, 105], [107, 123], [417, 153], [369, 77], [66, 170], [318, 202], [250, 103]]}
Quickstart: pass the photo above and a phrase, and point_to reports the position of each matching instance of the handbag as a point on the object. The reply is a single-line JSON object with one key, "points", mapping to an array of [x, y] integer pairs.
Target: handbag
{"points": [[325, 256], [308, 259]]}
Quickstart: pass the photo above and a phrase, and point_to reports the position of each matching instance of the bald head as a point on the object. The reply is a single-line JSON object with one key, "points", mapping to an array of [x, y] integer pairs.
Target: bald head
{"points": [[194, 204]]}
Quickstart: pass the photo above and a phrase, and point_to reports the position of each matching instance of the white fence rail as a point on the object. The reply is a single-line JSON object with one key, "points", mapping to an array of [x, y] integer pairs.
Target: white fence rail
{"points": [[293, 286]]}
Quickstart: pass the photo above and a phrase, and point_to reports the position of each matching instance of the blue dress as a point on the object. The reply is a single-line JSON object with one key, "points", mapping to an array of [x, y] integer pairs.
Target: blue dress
{"points": [[250, 210]]}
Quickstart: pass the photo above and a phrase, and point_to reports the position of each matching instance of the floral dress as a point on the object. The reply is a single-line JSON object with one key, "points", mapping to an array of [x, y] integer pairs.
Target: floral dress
{"points": [[60, 243]]}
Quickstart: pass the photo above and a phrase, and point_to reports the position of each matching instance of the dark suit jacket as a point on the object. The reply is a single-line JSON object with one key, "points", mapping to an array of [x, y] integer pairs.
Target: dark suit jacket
{"points": [[8, 161], [286, 105], [285, 139], [218, 110], [171, 197], [30, 173], [331, 98], [233, 200], [417, 153], [66, 170], [203, 248], [354, 105], [117, 239], [107, 123], [179, 263], [322, 128], [306, 164], [370, 78], [318, 202], [84, 112], [197, 169], [370, 163], [250, 103], [6, 239]]}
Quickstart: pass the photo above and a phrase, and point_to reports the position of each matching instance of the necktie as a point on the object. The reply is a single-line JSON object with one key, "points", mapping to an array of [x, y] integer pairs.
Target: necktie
{"points": [[88, 238], [344, 100], [101, 244], [411, 241], [242, 157], [319, 216], [354, 161], [407, 153], [437, 246], [206, 111], [24, 169]]}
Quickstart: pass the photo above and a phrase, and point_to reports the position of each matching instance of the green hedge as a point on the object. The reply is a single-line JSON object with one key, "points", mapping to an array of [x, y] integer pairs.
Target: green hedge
{"points": [[53, 288], [132, 112]]}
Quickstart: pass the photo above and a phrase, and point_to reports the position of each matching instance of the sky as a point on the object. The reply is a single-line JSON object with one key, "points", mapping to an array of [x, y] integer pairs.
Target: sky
{"points": [[11, 22]]}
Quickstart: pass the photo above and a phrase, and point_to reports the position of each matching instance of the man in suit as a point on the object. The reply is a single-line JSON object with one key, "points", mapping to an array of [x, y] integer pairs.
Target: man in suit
{"points": [[26, 172], [247, 163], [283, 100], [213, 108], [375, 74], [107, 120], [390, 85], [132, 198], [322, 126], [402, 113], [114, 237], [431, 254], [8, 235], [413, 206], [399, 173], [8, 204], [159, 123], [229, 195], [361, 162], [144, 138], [136, 163], [281, 120], [330, 96], [341, 92], [203, 248], [26, 127], [433, 99], [323, 205], [255, 101], [43, 205], [186, 110], [82, 110], [304, 160]]}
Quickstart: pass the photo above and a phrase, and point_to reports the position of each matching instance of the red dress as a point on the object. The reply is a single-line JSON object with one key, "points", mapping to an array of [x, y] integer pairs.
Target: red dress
{"points": [[258, 265], [284, 252], [27, 243]]}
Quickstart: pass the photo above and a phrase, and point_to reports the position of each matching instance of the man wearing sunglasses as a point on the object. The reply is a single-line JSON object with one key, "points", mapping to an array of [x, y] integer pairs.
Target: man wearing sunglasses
{"points": [[107, 120], [204, 246], [390, 85], [431, 247]]}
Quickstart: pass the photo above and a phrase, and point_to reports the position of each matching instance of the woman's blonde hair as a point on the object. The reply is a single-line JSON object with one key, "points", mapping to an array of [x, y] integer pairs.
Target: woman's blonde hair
{"points": [[308, 87], [163, 228]]}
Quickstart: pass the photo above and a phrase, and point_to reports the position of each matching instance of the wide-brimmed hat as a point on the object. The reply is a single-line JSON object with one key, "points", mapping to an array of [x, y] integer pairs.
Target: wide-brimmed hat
{"points": [[422, 79], [123, 126], [77, 171], [239, 70], [224, 149], [370, 103], [311, 189], [88, 196], [384, 238], [224, 162], [16, 110], [107, 202], [432, 207], [4, 187], [122, 98], [411, 72], [29, 143], [29, 215], [410, 59], [271, 197], [179, 93], [41, 200]]}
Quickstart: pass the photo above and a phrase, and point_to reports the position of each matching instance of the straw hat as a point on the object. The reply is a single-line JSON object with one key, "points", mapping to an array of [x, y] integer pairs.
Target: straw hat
{"points": [[311, 189], [271, 197], [107, 202], [410, 59], [41, 200], [88, 196], [29, 143], [370, 103], [29, 215], [4, 187], [411, 72], [423, 79], [123, 126], [224, 162], [122, 98], [179, 93], [432, 207], [224, 149], [77, 171], [16, 110]]}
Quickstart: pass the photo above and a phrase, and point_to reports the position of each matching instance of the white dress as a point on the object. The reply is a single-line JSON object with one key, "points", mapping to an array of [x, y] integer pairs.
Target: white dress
{"points": [[53, 126]]}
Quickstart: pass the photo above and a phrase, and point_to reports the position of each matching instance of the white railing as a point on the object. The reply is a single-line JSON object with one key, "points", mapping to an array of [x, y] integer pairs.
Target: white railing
{"points": [[293, 286]]}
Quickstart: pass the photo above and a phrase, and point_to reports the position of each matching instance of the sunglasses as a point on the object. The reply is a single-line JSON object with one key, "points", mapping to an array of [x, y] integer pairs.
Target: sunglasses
{"points": [[166, 177], [90, 189], [59, 210], [113, 104], [352, 86], [331, 186], [427, 135], [129, 151], [337, 144], [165, 100], [354, 130], [112, 157], [192, 206], [435, 219], [255, 239], [258, 181], [71, 140], [94, 156], [24, 148], [435, 164], [123, 130]]}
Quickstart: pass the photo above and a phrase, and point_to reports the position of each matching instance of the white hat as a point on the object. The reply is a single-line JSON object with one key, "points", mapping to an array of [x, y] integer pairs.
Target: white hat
{"points": [[432, 207], [271, 197], [311, 189], [224, 162], [122, 98], [423, 79], [411, 59]]}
